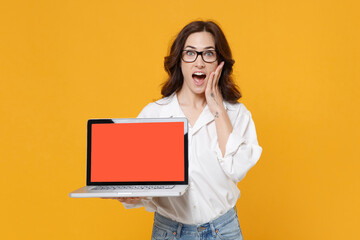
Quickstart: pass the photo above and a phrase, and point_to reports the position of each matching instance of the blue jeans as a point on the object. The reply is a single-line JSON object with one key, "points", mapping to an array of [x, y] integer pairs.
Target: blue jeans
{"points": [[225, 227]]}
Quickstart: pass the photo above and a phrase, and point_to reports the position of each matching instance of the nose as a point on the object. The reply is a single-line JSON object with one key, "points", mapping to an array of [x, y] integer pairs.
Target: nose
{"points": [[199, 62]]}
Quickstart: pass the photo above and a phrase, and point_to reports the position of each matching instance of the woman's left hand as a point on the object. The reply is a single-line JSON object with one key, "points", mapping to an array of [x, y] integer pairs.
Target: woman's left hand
{"points": [[213, 95], [214, 100]]}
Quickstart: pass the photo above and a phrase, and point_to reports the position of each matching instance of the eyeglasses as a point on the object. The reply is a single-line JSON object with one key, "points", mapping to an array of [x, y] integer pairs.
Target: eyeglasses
{"points": [[208, 56]]}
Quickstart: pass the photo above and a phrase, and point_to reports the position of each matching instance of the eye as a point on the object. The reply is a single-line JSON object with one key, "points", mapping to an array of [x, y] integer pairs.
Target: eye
{"points": [[209, 53], [189, 53]]}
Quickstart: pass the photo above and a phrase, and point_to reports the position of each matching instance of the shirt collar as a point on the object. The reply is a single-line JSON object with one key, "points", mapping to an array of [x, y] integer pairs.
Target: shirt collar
{"points": [[171, 107]]}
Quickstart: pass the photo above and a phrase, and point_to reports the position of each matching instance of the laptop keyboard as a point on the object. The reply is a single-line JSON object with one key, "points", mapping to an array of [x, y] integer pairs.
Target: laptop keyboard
{"points": [[133, 187]]}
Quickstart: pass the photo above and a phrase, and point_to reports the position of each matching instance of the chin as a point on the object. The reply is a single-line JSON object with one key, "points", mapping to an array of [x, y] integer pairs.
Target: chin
{"points": [[199, 91]]}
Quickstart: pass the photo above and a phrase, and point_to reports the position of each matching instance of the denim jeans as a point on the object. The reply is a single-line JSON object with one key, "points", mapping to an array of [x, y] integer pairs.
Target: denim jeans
{"points": [[225, 227]]}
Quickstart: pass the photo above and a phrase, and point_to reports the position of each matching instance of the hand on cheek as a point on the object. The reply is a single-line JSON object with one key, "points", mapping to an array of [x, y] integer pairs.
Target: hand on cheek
{"points": [[212, 93]]}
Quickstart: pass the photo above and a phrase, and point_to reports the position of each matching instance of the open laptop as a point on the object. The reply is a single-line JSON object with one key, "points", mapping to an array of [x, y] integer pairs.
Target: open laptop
{"points": [[136, 157]]}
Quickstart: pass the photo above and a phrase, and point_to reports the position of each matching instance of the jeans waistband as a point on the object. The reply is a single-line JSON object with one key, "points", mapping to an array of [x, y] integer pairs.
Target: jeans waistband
{"points": [[223, 219]]}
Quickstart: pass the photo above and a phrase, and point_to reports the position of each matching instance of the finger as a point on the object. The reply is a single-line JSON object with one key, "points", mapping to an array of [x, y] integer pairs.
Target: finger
{"points": [[217, 75], [209, 83], [132, 201]]}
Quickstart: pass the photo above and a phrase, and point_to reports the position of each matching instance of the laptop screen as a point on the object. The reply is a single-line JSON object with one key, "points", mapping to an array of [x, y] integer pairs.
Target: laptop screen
{"points": [[136, 152]]}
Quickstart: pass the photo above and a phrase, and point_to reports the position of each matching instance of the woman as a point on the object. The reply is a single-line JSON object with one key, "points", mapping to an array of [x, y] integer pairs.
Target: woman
{"points": [[222, 138]]}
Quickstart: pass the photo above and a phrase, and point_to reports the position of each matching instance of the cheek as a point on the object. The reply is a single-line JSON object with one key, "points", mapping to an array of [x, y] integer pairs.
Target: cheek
{"points": [[184, 70], [213, 67]]}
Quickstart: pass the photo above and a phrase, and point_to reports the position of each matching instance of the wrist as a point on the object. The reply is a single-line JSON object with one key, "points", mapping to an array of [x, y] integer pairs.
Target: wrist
{"points": [[220, 112]]}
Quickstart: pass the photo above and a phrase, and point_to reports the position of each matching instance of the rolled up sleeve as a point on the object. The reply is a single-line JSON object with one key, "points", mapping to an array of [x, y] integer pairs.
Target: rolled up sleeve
{"points": [[242, 149]]}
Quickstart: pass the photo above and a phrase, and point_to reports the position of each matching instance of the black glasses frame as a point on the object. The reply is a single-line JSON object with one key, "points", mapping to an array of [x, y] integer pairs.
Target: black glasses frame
{"points": [[197, 54]]}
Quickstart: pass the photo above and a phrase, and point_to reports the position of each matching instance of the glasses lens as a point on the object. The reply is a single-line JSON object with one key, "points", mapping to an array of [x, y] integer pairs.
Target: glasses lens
{"points": [[189, 55], [209, 56]]}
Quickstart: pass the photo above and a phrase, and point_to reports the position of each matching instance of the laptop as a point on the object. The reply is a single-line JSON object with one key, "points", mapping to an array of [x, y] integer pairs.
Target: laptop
{"points": [[136, 157]]}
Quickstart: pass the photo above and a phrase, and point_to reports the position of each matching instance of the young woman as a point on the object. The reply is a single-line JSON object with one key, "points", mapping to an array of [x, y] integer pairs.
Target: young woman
{"points": [[222, 139]]}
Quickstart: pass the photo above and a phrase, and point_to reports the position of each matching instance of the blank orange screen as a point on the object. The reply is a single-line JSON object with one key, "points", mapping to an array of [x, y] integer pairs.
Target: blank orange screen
{"points": [[137, 152]]}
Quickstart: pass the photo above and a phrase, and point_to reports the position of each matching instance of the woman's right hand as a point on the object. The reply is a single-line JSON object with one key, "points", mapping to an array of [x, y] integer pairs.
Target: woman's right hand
{"points": [[128, 200]]}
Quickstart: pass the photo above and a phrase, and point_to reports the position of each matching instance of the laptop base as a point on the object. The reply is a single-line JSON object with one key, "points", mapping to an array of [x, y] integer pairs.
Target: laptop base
{"points": [[86, 192]]}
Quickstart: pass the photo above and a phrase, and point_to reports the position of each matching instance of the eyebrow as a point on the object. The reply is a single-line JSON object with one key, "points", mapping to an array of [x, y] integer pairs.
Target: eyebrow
{"points": [[195, 47]]}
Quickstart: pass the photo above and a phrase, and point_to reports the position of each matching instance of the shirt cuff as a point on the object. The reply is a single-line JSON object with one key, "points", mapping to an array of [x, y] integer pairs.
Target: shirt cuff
{"points": [[129, 206], [233, 143]]}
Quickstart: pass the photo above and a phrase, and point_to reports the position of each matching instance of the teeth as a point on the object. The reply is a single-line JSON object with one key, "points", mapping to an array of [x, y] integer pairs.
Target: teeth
{"points": [[199, 73]]}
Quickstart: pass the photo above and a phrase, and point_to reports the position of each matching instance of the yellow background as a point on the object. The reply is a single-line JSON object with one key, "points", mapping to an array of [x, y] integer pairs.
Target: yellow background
{"points": [[63, 62]]}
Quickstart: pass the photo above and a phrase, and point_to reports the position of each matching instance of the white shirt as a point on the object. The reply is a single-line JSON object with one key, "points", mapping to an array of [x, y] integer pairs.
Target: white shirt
{"points": [[212, 178]]}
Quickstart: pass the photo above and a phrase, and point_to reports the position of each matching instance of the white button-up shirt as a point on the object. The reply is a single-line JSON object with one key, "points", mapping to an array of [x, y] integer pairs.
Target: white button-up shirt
{"points": [[213, 177]]}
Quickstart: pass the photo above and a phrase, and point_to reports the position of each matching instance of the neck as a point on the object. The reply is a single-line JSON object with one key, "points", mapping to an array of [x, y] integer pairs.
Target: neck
{"points": [[187, 98]]}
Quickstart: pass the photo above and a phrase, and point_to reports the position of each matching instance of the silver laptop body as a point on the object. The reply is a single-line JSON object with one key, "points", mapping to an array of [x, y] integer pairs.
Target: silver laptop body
{"points": [[136, 157]]}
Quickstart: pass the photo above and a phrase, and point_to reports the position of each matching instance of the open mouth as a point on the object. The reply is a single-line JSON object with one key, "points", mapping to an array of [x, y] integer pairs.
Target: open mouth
{"points": [[199, 78]]}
